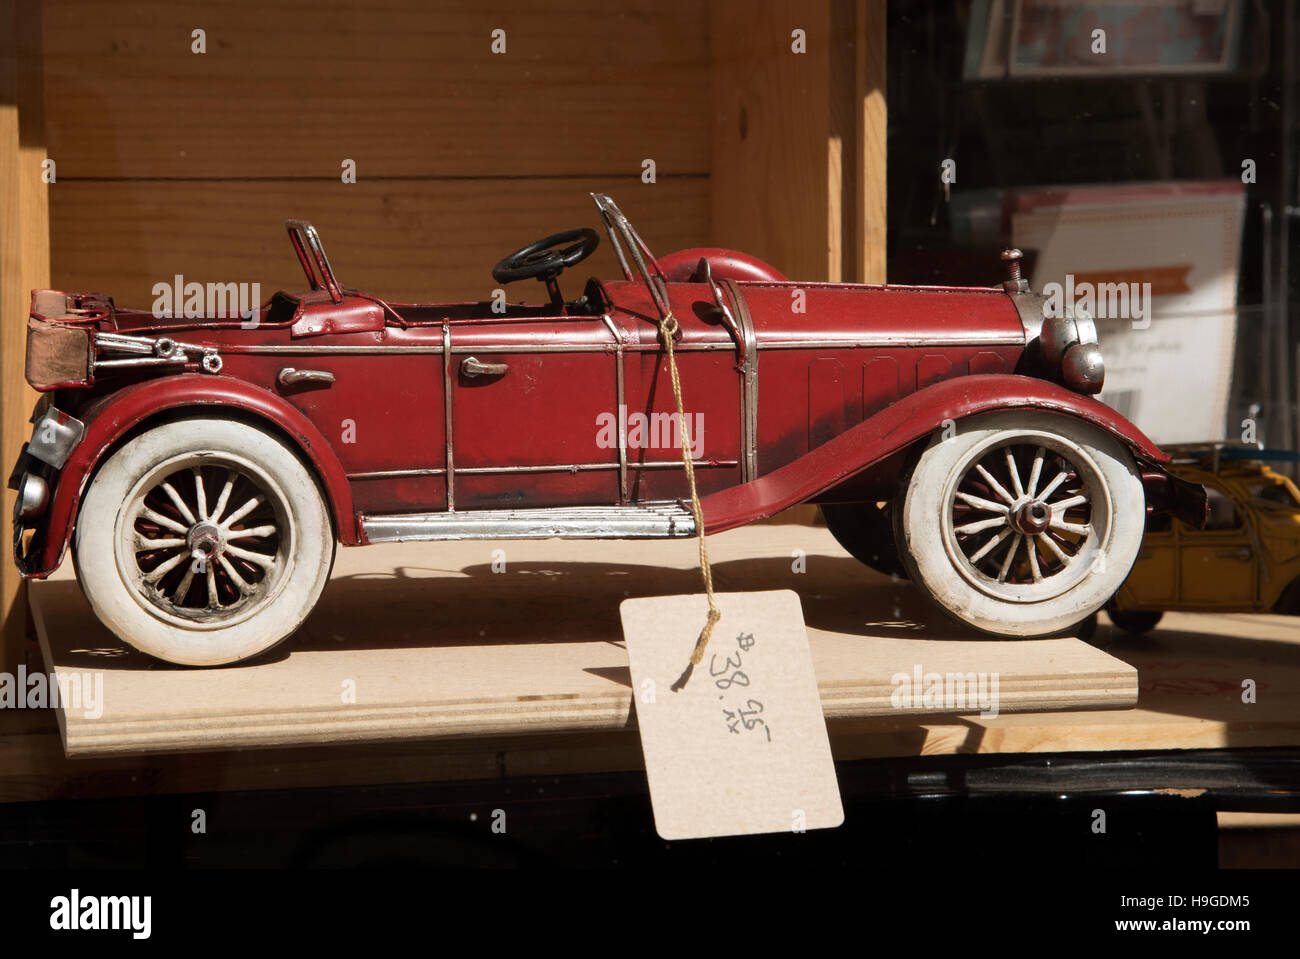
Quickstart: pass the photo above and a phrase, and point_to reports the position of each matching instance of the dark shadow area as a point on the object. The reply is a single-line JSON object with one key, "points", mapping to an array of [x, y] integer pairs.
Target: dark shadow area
{"points": [[906, 811]]}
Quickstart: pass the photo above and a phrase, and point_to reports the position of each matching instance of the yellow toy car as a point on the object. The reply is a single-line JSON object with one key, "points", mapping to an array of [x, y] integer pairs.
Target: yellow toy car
{"points": [[1246, 559]]}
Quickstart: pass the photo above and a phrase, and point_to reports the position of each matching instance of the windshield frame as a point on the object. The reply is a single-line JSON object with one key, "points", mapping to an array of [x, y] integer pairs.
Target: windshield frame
{"points": [[622, 234]]}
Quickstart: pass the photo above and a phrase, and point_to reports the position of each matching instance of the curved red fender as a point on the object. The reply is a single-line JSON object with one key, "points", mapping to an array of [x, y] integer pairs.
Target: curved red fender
{"points": [[911, 418], [134, 404]]}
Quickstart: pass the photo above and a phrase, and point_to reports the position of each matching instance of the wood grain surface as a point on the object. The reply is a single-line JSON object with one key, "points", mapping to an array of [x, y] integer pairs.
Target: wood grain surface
{"points": [[171, 161], [414, 606], [24, 264], [426, 638]]}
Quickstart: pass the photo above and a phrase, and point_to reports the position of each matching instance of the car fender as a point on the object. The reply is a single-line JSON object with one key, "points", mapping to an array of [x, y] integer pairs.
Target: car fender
{"points": [[682, 265], [127, 408], [910, 419]]}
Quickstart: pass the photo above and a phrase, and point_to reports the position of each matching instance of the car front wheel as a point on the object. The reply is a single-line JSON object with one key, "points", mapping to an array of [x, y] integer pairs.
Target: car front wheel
{"points": [[1022, 523], [203, 542]]}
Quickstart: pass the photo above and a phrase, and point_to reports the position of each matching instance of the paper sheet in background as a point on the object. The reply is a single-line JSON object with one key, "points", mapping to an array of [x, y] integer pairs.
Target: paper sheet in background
{"points": [[1173, 378]]}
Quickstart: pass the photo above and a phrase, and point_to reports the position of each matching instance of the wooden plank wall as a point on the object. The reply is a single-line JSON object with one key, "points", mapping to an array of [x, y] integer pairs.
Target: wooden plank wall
{"points": [[799, 135], [799, 139], [24, 264], [170, 161]]}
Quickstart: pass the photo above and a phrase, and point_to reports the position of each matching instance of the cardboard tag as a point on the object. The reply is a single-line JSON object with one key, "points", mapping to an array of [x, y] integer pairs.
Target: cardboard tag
{"points": [[743, 748]]}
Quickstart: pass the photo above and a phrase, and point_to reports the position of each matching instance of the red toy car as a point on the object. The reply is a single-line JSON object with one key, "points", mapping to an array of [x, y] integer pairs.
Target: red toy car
{"points": [[203, 469]]}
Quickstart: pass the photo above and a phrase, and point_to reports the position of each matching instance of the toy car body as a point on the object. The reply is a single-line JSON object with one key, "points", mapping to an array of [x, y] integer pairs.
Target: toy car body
{"points": [[204, 468], [1245, 559]]}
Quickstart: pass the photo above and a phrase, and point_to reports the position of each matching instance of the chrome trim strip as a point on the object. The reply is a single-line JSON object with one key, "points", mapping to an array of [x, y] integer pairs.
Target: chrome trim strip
{"points": [[660, 521], [619, 400], [469, 348], [749, 386], [554, 468], [447, 407], [591, 467], [677, 464], [901, 340], [342, 350], [140, 361], [1009, 339], [397, 474], [547, 468], [534, 348]]}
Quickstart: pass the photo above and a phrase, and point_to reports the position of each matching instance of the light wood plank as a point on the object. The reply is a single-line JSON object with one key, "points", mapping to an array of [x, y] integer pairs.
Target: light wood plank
{"points": [[1189, 694], [872, 224], [403, 87], [772, 151], [422, 637], [24, 264], [407, 241]]}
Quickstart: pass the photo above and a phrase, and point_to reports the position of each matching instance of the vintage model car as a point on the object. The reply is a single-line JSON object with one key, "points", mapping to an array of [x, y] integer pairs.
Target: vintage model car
{"points": [[1245, 560], [203, 469]]}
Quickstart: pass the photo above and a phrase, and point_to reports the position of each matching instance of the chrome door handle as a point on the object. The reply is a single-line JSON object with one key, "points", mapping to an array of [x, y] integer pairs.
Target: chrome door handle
{"points": [[1243, 553], [290, 376], [472, 366]]}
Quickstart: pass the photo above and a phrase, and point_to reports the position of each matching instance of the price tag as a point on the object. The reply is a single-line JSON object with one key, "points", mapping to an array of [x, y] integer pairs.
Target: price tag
{"points": [[742, 748]]}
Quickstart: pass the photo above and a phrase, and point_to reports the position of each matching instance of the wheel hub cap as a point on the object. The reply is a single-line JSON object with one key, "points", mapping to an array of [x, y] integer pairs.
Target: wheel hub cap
{"points": [[204, 542], [1031, 518]]}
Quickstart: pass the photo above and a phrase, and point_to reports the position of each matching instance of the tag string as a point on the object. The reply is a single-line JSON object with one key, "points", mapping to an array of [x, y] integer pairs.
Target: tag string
{"points": [[668, 327]]}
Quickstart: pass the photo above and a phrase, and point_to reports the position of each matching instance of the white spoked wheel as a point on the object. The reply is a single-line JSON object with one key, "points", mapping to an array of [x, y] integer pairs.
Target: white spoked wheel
{"points": [[203, 542], [1023, 523]]}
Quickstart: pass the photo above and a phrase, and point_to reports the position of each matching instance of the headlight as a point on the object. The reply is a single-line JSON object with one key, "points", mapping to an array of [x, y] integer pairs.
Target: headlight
{"points": [[1082, 368], [1069, 343], [33, 497], [1059, 333]]}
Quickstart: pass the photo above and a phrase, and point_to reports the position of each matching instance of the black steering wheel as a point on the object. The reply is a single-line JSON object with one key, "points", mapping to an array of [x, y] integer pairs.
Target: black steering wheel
{"points": [[548, 257]]}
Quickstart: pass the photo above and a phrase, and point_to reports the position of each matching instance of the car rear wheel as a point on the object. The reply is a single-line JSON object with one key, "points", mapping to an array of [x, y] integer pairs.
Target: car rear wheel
{"points": [[1133, 620], [1022, 523], [203, 542], [866, 532], [1289, 602]]}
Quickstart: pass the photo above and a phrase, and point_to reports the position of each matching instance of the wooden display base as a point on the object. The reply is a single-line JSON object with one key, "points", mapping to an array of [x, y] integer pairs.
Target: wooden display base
{"points": [[426, 641]]}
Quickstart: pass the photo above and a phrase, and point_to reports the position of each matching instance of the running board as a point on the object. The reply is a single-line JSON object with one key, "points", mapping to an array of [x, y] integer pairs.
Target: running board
{"points": [[660, 521]]}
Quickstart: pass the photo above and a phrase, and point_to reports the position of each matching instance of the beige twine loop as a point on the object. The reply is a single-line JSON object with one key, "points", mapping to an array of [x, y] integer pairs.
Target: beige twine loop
{"points": [[668, 327]]}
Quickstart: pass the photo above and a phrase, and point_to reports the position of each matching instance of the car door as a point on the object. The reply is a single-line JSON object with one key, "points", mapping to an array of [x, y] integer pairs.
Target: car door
{"points": [[1218, 566], [531, 397], [713, 396], [375, 393]]}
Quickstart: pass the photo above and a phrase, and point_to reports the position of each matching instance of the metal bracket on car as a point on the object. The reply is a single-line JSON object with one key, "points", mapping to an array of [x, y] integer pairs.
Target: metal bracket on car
{"points": [[54, 436], [134, 351], [1030, 308]]}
